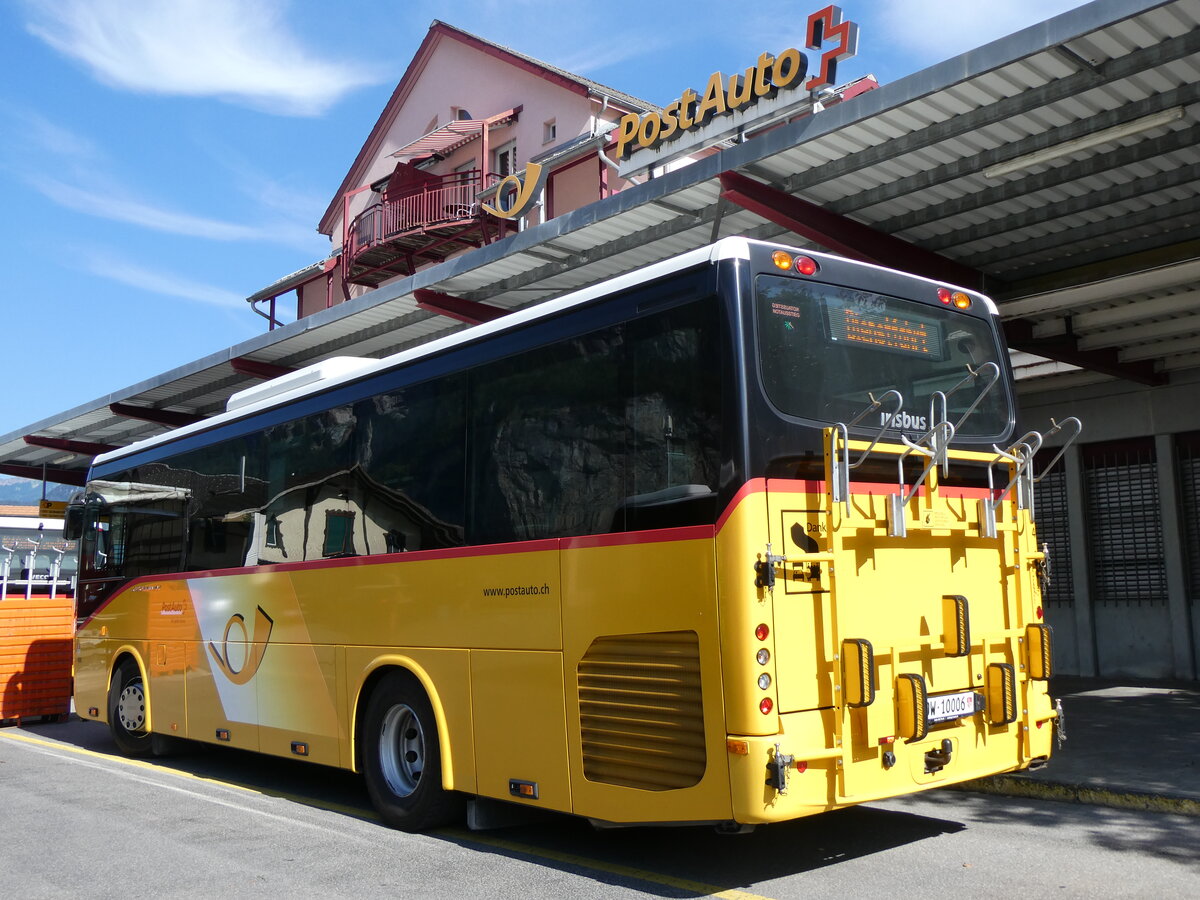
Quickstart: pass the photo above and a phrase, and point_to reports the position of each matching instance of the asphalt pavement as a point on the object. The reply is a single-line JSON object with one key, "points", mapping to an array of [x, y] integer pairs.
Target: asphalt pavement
{"points": [[1128, 745]]}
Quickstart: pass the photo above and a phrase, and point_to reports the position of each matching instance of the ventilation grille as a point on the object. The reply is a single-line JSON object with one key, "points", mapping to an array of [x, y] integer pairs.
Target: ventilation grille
{"points": [[640, 710]]}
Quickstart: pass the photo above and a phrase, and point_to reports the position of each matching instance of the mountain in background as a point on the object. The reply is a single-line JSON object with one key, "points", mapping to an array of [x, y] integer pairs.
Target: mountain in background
{"points": [[23, 492]]}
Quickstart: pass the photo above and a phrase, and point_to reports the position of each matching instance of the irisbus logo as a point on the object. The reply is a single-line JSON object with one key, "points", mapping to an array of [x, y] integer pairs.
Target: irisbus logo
{"points": [[902, 421], [241, 667]]}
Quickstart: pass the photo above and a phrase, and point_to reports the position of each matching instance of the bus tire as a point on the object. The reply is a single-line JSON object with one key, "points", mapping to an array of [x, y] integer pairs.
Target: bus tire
{"points": [[402, 761], [127, 710]]}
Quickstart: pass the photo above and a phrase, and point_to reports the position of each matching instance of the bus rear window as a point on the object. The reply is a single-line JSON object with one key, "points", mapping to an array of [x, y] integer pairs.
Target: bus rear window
{"points": [[824, 350]]}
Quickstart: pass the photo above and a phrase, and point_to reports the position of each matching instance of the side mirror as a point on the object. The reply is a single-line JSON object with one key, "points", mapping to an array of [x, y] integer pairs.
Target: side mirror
{"points": [[73, 523]]}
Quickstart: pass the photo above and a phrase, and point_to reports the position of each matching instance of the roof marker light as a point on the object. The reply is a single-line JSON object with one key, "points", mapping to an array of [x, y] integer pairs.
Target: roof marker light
{"points": [[806, 265], [944, 295], [961, 300], [782, 260]]}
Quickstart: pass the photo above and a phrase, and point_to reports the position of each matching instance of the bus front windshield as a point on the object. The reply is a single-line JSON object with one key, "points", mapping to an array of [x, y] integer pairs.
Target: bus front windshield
{"points": [[824, 350]]}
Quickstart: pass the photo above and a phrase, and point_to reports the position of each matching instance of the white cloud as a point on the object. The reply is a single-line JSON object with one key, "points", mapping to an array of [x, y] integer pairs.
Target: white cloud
{"points": [[166, 284], [41, 136], [238, 51], [607, 53], [118, 207], [940, 29]]}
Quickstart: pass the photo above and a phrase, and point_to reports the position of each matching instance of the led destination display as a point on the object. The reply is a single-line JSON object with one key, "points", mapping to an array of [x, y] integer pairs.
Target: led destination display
{"points": [[885, 331]]}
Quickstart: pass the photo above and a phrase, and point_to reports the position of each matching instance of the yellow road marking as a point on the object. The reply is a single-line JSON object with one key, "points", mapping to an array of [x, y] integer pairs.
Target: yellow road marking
{"points": [[583, 862], [341, 808], [469, 837]]}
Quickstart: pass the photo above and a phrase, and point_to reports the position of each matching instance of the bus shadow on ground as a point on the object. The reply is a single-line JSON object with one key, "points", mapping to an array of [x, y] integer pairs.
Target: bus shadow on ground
{"points": [[684, 861], [693, 861]]}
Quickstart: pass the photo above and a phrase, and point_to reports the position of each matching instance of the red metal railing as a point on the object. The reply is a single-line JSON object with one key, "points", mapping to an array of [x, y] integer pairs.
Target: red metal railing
{"points": [[450, 199]]}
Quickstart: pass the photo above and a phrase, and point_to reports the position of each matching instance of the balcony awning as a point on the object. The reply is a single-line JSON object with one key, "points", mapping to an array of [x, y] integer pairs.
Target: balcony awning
{"points": [[447, 138]]}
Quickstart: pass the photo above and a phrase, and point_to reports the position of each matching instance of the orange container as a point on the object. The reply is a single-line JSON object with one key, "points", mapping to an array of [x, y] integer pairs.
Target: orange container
{"points": [[35, 657]]}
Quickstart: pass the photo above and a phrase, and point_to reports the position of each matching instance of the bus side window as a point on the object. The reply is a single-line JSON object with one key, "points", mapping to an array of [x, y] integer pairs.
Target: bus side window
{"points": [[548, 441], [411, 452], [674, 409]]}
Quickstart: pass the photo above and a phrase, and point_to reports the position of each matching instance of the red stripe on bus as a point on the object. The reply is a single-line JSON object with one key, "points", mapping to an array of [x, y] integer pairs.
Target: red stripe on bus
{"points": [[616, 539], [625, 538]]}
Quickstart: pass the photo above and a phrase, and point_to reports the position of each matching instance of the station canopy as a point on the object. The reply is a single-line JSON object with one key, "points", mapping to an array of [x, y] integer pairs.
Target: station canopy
{"points": [[1057, 169]]}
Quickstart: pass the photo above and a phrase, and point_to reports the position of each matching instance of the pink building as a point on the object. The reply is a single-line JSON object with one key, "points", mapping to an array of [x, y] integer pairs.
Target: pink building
{"points": [[466, 114]]}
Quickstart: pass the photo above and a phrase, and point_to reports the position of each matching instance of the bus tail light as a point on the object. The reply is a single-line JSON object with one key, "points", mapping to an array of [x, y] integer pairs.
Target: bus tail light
{"points": [[1001, 694], [956, 626], [912, 715], [782, 260], [1037, 644], [806, 265], [762, 631], [957, 299], [766, 706], [858, 672]]}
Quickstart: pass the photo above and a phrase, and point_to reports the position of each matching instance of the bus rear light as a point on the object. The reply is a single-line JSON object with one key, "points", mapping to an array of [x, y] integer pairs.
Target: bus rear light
{"points": [[806, 265], [944, 296], [762, 631], [912, 715], [737, 748], [961, 300], [1038, 612], [764, 681], [1001, 686], [782, 260], [800, 767], [956, 625], [885, 741], [766, 706], [763, 656], [1037, 644], [858, 672]]}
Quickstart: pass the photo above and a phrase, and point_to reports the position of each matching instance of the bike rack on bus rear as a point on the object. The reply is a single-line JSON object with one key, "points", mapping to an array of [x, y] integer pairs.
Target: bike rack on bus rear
{"points": [[1020, 458], [933, 444]]}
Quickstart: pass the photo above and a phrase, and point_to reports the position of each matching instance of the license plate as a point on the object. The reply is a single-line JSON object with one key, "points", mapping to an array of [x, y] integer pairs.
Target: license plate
{"points": [[947, 707]]}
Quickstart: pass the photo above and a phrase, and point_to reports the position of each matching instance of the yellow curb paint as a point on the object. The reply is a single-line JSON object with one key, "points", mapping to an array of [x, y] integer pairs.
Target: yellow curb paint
{"points": [[1070, 793]]}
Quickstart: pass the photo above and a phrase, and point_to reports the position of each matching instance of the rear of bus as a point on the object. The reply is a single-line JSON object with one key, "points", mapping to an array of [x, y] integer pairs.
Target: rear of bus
{"points": [[881, 624]]}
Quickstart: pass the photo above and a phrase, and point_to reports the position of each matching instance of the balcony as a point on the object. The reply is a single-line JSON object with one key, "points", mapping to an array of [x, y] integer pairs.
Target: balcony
{"points": [[417, 225]]}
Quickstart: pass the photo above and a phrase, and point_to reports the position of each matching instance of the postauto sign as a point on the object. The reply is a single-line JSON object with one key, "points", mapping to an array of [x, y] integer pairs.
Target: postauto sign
{"points": [[741, 95]]}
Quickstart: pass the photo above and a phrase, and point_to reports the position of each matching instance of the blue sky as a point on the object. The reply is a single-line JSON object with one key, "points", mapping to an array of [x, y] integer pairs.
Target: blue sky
{"points": [[162, 159]]}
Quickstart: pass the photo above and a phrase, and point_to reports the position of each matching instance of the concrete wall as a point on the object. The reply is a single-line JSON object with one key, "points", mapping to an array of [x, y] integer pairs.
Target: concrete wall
{"points": [[1116, 638]]}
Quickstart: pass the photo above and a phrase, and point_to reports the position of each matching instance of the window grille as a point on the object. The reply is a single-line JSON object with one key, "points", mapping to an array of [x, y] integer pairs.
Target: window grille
{"points": [[1050, 504], [1188, 456], [1124, 523]]}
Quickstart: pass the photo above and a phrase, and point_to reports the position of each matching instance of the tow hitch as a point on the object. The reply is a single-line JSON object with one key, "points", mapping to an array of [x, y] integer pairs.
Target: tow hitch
{"points": [[777, 769], [936, 760]]}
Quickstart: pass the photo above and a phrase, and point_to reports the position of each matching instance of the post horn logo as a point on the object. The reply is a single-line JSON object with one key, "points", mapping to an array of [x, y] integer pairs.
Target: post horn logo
{"points": [[256, 647]]}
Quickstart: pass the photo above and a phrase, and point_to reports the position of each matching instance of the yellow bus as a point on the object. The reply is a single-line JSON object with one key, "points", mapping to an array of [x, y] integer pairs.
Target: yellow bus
{"points": [[739, 537]]}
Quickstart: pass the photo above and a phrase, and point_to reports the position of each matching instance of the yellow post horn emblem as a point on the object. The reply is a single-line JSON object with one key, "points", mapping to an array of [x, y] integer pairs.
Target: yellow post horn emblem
{"points": [[527, 190], [256, 648]]}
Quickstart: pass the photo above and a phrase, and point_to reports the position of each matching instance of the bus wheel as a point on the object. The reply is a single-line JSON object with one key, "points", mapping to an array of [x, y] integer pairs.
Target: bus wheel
{"points": [[402, 760], [127, 710]]}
